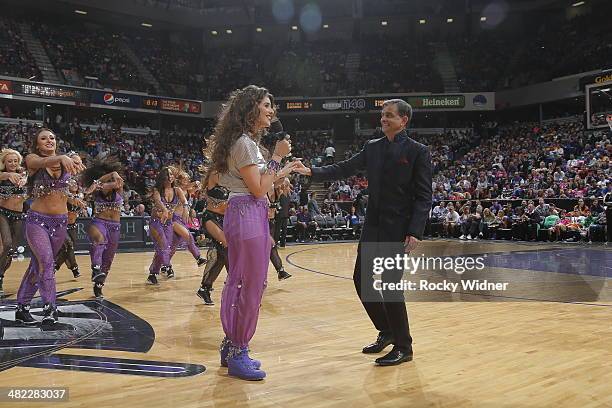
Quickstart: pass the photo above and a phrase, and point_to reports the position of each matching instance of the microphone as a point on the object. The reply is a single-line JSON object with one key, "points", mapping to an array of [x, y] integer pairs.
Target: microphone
{"points": [[276, 129], [278, 133]]}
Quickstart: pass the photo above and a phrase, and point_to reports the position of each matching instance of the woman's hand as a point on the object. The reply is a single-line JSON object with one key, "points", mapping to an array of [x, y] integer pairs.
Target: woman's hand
{"points": [[69, 165], [15, 178], [78, 162], [282, 148], [92, 188], [301, 169], [288, 169]]}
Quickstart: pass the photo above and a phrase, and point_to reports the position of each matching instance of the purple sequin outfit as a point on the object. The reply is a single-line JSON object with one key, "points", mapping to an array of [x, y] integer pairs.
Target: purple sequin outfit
{"points": [[165, 234], [177, 240], [45, 234], [103, 253]]}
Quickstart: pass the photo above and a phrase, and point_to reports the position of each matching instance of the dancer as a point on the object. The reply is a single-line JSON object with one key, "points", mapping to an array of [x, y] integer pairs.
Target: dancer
{"points": [[105, 185], [12, 196], [275, 258], [45, 226], [179, 218], [212, 220], [66, 253], [165, 200], [237, 158]]}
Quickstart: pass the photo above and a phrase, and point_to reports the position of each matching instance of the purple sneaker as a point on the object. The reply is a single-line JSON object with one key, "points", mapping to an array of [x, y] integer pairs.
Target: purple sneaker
{"points": [[224, 349], [240, 365]]}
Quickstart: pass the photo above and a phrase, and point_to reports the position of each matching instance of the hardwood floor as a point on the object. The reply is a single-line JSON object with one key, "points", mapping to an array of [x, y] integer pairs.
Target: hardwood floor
{"points": [[483, 351]]}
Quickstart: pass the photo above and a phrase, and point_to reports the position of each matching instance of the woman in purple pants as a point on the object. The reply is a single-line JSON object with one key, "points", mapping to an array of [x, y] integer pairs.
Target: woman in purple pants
{"points": [[165, 200], [180, 217], [105, 184], [45, 225], [236, 156]]}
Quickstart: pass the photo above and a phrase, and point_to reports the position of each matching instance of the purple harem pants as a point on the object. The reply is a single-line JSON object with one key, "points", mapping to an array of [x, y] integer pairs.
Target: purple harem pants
{"points": [[102, 254], [45, 235], [248, 241], [161, 245], [177, 239]]}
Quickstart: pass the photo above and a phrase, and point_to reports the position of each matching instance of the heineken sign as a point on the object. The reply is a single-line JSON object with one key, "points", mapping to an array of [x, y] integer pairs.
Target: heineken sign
{"points": [[432, 102], [437, 102]]}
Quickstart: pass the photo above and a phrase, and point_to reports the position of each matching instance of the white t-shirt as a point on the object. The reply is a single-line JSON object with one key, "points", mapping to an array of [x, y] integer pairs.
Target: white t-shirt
{"points": [[244, 152]]}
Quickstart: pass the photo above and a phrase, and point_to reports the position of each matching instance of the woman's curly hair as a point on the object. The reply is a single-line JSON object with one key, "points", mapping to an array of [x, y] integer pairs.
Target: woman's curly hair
{"points": [[99, 167], [238, 116]]}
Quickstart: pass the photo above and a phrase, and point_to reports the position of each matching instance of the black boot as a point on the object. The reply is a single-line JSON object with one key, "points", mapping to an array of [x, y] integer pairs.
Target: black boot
{"points": [[201, 261], [75, 272], [97, 275], [22, 314], [152, 279], [170, 272], [50, 315], [204, 294], [283, 274], [97, 290]]}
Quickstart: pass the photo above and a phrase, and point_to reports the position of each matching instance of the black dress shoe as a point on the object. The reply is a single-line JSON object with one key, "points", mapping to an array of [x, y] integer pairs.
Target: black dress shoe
{"points": [[394, 357], [382, 341]]}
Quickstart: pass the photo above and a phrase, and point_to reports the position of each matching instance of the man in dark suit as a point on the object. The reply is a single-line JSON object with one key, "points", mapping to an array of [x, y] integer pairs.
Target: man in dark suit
{"points": [[400, 198]]}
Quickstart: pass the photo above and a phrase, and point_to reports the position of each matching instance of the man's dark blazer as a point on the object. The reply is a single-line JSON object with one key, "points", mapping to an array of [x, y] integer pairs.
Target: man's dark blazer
{"points": [[411, 186]]}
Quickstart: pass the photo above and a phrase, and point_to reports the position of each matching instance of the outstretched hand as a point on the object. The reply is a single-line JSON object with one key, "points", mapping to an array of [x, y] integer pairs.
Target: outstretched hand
{"points": [[288, 169], [301, 169]]}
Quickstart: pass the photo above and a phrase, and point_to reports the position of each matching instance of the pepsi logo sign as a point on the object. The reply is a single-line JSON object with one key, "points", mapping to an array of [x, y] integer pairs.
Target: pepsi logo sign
{"points": [[111, 99]]}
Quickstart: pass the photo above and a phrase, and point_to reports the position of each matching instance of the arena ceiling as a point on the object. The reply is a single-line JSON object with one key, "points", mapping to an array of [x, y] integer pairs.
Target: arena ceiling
{"points": [[194, 14]]}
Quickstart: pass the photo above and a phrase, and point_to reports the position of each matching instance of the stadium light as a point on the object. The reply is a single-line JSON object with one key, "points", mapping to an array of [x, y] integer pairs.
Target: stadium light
{"points": [[146, 25], [483, 18], [214, 32], [325, 25], [80, 12], [422, 21], [229, 31], [259, 29], [384, 23], [294, 28], [449, 20], [578, 4]]}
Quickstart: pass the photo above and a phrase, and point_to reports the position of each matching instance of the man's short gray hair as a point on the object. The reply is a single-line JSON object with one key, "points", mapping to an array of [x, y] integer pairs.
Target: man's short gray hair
{"points": [[403, 107]]}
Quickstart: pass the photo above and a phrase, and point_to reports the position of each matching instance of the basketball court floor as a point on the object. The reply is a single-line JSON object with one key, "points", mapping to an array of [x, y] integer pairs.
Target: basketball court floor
{"points": [[546, 341]]}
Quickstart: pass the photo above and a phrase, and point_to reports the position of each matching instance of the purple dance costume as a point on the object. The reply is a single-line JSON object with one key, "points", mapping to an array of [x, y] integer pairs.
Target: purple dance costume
{"points": [[178, 240], [45, 235], [248, 242], [103, 253], [165, 236]]}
